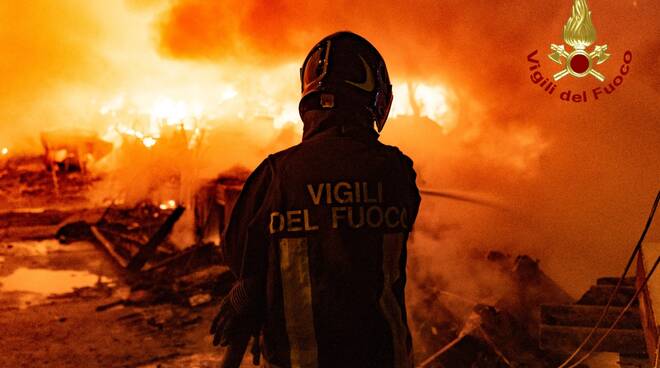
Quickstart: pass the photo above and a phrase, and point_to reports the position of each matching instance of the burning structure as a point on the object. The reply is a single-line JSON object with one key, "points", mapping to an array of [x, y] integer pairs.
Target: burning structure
{"points": [[116, 113]]}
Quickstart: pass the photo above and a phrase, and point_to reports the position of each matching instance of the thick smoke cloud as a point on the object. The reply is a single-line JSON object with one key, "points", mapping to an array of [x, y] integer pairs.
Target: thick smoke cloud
{"points": [[47, 48], [578, 177], [429, 38]]}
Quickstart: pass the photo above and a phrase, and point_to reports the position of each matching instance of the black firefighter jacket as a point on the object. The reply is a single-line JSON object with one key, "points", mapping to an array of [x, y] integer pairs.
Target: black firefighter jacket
{"points": [[325, 224]]}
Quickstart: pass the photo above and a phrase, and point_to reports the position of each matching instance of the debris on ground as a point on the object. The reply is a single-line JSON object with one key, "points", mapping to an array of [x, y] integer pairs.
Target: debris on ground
{"points": [[501, 334], [26, 182]]}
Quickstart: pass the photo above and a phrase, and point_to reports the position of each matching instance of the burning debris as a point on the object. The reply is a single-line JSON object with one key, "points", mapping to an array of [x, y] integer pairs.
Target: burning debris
{"points": [[72, 150], [59, 178], [136, 237], [157, 270], [214, 202], [158, 296], [25, 182], [473, 334]]}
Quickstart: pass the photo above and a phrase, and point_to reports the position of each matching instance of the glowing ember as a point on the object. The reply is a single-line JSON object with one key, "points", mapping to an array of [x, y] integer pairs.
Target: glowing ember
{"points": [[148, 142], [171, 204]]}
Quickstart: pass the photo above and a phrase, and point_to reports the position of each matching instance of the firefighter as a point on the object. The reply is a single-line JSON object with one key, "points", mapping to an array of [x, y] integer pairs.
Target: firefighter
{"points": [[317, 238]]}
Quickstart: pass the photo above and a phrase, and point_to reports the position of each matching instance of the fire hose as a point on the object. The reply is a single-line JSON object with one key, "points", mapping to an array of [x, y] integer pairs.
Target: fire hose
{"points": [[460, 198]]}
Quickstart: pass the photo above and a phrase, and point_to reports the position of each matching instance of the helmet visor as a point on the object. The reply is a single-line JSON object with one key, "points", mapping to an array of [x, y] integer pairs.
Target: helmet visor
{"points": [[315, 67]]}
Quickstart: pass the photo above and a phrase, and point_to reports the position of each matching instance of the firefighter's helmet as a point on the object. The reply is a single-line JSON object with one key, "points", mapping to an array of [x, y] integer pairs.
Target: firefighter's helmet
{"points": [[344, 69]]}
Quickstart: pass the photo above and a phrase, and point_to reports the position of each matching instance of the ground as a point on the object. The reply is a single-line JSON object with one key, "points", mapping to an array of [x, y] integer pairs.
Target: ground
{"points": [[45, 324]]}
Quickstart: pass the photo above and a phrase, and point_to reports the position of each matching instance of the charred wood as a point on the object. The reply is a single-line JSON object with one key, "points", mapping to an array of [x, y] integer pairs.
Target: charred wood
{"points": [[147, 251]]}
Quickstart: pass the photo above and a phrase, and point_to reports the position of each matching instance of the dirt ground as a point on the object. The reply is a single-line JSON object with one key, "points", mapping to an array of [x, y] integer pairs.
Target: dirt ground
{"points": [[45, 323]]}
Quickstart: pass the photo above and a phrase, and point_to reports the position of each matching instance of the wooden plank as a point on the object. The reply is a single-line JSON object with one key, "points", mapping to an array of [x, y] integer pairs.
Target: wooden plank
{"points": [[188, 252], [588, 316], [612, 281], [600, 294], [128, 244], [109, 247], [567, 339], [148, 250]]}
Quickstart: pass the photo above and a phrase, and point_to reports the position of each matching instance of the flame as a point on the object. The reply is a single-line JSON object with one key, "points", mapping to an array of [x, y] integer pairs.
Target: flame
{"points": [[148, 122], [146, 116], [433, 104], [579, 32], [149, 142], [432, 101], [168, 205], [4, 151]]}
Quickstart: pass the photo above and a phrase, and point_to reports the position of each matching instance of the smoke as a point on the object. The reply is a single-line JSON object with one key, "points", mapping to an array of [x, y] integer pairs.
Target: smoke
{"points": [[44, 53], [577, 177], [429, 39]]}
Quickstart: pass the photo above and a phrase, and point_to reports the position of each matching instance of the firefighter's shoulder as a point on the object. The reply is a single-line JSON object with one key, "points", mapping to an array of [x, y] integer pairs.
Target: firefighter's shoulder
{"points": [[406, 162]]}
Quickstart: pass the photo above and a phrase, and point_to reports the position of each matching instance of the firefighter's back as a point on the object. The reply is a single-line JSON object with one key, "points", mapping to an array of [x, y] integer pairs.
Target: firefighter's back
{"points": [[341, 207]]}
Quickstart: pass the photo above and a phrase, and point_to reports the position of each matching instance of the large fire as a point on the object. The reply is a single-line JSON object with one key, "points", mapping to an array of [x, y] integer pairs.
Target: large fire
{"points": [[147, 89], [146, 119], [176, 113]]}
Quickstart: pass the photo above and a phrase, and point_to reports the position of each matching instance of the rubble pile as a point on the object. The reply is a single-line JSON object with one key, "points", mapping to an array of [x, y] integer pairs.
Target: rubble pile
{"points": [[59, 175], [45, 198], [156, 270], [501, 334], [25, 181]]}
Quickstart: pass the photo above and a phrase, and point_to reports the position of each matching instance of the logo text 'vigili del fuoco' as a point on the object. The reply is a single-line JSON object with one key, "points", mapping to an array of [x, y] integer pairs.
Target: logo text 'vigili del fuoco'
{"points": [[577, 60]]}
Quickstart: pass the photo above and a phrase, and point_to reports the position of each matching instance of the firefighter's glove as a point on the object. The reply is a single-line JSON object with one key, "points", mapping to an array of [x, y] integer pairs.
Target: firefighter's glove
{"points": [[237, 318]]}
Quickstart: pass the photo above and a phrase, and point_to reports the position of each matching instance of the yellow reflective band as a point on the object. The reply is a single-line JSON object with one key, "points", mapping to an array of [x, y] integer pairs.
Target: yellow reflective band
{"points": [[297, 292], [392, 247]]}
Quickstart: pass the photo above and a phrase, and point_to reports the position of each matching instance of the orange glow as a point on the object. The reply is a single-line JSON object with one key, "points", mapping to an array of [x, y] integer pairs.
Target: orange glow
{"points": [[432, 101], [170, 204]]}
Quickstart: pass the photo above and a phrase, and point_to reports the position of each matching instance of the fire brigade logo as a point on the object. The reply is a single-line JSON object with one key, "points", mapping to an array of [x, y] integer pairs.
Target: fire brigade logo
{"points": [[579, 33]]}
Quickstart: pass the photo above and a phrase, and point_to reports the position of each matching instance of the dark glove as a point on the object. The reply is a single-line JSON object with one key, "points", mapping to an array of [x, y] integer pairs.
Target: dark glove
{"points": [[237, 318]]}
